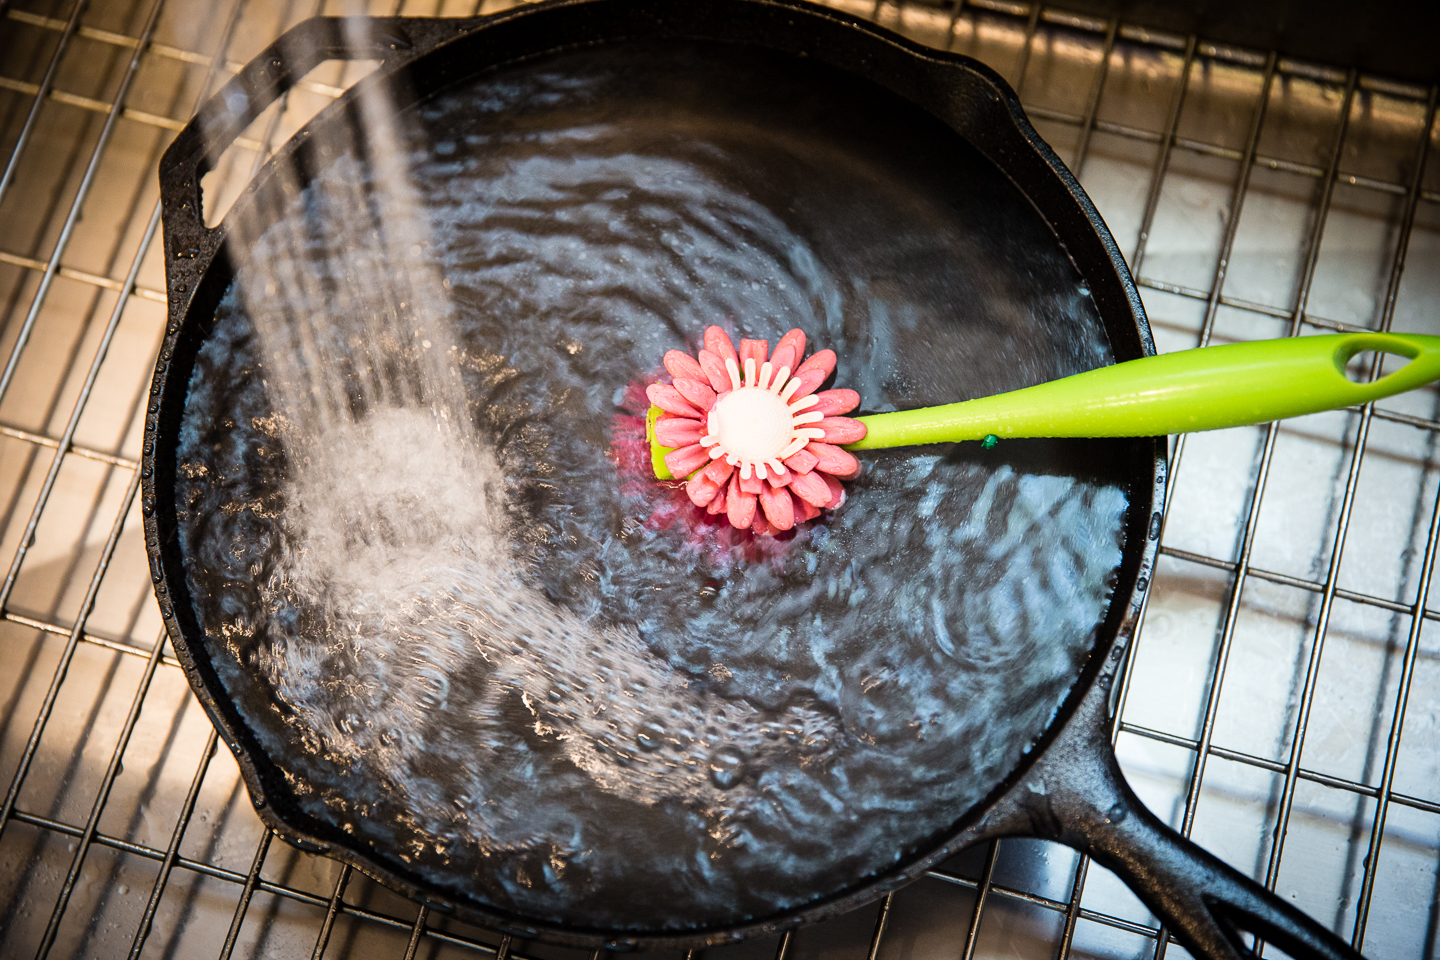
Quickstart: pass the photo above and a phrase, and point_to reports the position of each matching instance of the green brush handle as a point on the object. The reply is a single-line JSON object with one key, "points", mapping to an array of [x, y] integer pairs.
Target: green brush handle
{"points": [[1205, 389]]}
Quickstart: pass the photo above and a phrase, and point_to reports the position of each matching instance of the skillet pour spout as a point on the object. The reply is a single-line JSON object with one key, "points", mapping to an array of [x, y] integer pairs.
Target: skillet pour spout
{"points": [[871, 184]]}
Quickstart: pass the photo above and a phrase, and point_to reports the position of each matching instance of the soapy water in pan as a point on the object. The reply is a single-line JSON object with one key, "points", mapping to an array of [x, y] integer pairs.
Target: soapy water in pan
{"points": [[490, 652]]}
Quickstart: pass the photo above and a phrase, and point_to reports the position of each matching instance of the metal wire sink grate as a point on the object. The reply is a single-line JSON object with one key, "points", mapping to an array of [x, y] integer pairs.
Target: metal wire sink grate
{"points": [[1286, 646]]}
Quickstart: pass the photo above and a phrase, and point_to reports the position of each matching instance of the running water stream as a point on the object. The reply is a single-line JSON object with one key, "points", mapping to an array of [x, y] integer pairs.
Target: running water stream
{"points": [[479, 641]]}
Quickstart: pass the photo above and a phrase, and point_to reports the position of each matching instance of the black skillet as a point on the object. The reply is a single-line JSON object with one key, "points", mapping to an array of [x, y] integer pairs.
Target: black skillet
{"points": [[903, 126]]}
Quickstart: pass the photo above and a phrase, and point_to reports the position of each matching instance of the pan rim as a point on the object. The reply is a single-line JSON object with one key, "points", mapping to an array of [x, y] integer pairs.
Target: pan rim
{"points": [[208, 273]]}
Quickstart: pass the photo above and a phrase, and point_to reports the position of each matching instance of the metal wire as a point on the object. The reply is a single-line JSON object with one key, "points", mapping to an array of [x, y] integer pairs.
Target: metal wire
{"points": [[1232, 612], [67, 33], [1092, 109], [87, 834], [882, 920], [982, 891], [1397, 722], [1024, 22]]}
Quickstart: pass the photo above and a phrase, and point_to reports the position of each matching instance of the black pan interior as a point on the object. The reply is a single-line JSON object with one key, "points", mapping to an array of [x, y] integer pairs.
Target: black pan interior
{"points": [[787, 717]]}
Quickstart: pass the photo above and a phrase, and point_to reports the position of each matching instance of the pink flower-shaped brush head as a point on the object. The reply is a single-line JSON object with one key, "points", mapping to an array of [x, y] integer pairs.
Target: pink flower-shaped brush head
{"points": [[761, 444]]}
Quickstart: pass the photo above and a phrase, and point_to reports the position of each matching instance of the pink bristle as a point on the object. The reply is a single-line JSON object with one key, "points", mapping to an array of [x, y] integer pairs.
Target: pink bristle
{"points": [[821, 360], [698, 392], [686, 460], [837, 491], [717, 341], [810, 381], [752, 484], [811, 488], [719, 471], [779, 508], [678, 431], [834, 461], [840, 429], [784, 356], [683, 365], [802, 462], [795, 339], [759, 349], [804, 509], [713, 366], [667, 398], [833, 403], [761, 526], [701, 489], [739, 506]]}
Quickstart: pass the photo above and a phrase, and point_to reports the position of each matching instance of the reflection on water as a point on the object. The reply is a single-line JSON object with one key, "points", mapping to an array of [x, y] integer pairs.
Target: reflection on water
{"points": [[481, 642]]}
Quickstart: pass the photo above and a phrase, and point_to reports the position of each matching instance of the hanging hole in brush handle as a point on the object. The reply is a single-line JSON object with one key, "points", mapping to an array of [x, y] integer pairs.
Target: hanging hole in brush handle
{"points": [[1422, 366]]}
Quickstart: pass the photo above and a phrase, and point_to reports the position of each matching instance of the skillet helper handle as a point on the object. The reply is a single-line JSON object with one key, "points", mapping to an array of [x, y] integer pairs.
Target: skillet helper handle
{"points": [[260, 83], [1203, 389]]}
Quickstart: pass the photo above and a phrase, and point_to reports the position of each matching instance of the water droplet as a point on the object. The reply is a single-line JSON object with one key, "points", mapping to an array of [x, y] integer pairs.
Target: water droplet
{"points": [[651, 735], [727, 767], [350, 722], [813, 743], [709, 590]]}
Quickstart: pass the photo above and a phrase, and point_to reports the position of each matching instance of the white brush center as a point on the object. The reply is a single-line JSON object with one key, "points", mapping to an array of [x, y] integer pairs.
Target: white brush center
{"points": [[752, 424]]}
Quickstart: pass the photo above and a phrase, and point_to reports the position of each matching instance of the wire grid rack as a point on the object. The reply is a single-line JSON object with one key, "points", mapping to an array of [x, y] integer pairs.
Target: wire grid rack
{"points": [[1283, 652]]}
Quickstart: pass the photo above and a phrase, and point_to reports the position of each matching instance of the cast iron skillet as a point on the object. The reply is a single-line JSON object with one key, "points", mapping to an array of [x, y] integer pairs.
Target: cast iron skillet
{"points": [[1064, 786]]}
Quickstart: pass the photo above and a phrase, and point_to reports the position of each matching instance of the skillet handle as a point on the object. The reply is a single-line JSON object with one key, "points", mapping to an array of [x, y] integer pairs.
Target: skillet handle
{"points": [[1077, 795], [1206, 902]]}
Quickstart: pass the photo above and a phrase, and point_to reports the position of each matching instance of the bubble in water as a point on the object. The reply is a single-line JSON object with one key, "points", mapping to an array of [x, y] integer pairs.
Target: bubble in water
{"points": [[433, 689], [651, 735], [814, 742], [727, 767]]}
